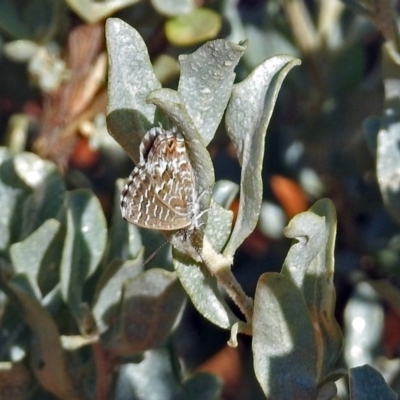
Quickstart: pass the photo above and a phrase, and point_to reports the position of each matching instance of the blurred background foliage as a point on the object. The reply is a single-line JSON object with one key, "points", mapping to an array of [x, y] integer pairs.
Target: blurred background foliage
{"points": [[327, 138]]}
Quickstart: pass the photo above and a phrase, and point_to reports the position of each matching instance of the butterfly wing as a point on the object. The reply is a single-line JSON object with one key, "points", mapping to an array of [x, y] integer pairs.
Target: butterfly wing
{"points": [[140, 205], [160, 191], [172, 174]]}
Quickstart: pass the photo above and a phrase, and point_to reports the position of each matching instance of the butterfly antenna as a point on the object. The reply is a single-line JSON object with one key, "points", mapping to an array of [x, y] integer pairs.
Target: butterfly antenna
{"points": [[151, 256]]}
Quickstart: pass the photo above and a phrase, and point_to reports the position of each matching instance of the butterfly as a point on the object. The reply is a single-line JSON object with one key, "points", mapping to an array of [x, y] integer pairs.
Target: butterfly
{"points": [[160, 192]]}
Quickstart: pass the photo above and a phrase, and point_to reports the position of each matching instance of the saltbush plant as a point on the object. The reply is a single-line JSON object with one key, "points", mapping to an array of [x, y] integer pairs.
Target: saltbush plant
{"points": [[84, 317]]}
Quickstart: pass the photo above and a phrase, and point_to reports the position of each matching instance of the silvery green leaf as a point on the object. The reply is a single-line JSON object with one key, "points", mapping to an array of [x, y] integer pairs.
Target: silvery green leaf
{"points": [[151, 306], [173, 7], [284, 343], [48, 189], [93, 11], [13, 191], [206, 83], [130, 79], [109, 290], [225, 192], [247, 118], [203, 290], [29, 256], [310, 264], [84, 245], [46, 355], [219, 225]]}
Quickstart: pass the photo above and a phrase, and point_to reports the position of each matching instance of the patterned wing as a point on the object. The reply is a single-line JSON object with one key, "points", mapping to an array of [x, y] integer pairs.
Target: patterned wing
{"points": [[160, 191], [173, 180], [141, 206]]}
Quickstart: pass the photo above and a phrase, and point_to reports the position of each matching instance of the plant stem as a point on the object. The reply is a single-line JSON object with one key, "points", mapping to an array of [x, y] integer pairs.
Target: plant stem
{"points": [[220, 267]]}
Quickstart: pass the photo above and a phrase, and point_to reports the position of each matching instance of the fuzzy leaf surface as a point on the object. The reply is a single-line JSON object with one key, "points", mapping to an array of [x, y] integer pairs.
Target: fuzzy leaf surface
{"points": [[29, 256], [247, 117], [130, 79], [84, 245], [206, 83], [284, 342], [310, 264], [48, 189], [47, 358], [109, 290], [152, 304]]}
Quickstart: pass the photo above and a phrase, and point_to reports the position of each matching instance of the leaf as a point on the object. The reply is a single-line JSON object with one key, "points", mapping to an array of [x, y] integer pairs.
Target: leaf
{"points": [[206, 83], [284, 342], [202, 289], [247, 118], [29, 256], [152, 304], [366, 383], [219, 225], [199, 284], [388, 152], [12, 193], [47, 358], [173, 7], [109, 290], [130, 79], [48, 189], [94, 11], [225, 192], [193, 27], [153, 378], [310, 265], [84, 245]]}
